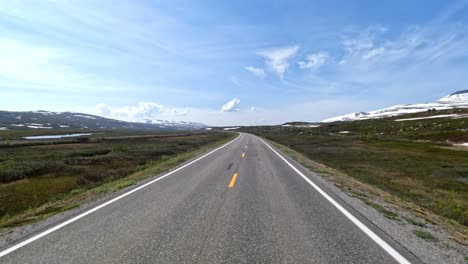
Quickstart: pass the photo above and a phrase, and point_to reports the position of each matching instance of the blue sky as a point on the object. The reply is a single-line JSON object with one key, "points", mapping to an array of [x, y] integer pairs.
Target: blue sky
{"points": [[229, 62]]}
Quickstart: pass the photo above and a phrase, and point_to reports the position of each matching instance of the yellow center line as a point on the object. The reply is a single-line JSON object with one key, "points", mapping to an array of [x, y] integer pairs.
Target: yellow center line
{"points": [[243, 154], [233, 180]]}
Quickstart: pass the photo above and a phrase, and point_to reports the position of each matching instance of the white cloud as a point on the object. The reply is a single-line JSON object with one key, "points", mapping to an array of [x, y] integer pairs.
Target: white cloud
{"points": [[366, 44], [259, 72], [231, 106], [277, 58], [373, 53], [314, 61], [104, 110], [142, 110]]}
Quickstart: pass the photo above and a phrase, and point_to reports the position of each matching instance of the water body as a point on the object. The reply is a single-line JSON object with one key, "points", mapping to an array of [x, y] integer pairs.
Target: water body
{"points": [[58, 136]]}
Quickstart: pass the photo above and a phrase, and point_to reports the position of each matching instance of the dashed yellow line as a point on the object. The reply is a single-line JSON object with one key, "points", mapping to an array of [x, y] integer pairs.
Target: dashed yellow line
{"points": [[243, 154], [233, 180]]}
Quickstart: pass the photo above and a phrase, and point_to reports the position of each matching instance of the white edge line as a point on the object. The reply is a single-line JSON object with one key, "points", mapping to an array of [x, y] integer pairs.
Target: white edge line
{"points": [[397, 256], [57, 227]]}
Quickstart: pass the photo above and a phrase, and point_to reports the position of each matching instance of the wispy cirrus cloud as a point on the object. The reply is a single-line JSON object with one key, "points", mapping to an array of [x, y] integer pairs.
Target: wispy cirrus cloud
{"points": [[259, 72], [277, 59], [56, 50], [314, 61]]}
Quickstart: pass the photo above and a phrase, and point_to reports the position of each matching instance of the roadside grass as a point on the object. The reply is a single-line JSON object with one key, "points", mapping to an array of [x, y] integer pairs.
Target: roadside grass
{"points": [[384, 202], [125, 183], [426, 235], [387, 213], [415, 221], [410, 164], [422, 172], [77, 173]]}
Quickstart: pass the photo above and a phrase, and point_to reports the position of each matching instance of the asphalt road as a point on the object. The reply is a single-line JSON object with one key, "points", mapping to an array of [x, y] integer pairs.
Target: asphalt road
{"points": [[268, 213]]}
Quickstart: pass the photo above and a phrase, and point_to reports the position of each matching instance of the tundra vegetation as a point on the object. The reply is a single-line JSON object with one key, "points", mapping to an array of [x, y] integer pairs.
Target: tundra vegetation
{"points": [[39, 178], [418, 161]]}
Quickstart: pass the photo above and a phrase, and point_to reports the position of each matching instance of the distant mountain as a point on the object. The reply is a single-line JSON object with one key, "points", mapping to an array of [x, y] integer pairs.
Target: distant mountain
{"points": [[455, 100], [173, 124], [68, 120]]}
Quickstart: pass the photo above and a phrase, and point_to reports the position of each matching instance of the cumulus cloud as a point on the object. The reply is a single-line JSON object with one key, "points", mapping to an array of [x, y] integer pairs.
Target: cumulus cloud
{"points": [[314, 61], [277, 58], [231, 106], [142, 110], [104, 110], [259, 72]]}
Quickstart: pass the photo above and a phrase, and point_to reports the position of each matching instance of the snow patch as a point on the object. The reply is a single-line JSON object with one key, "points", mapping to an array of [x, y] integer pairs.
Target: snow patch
{"points": [[455, 100], [44, 112], [231, 128], [426, 117], [40, 127], [86, 116]]}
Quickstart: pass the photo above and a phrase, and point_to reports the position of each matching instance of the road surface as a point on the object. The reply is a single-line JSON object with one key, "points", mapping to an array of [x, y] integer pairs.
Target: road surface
{"points": [[241, 203]]}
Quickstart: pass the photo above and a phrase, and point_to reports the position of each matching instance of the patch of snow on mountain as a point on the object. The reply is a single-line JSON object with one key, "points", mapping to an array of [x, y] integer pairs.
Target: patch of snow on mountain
{"points": [[427, 117], [45, 112], [40, 127], [458, 97], [173, 124], [455, 100], [85, 116], [231, 128]]}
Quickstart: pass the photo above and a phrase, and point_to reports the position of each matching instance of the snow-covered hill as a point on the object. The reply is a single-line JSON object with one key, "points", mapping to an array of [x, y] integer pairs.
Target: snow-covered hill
{"points": [[173, 124], [456, 100], [69, 120]]}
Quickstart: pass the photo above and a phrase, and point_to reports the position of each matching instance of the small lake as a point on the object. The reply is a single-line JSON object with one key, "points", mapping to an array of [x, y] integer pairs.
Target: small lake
{"points": [[58, 136]]}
